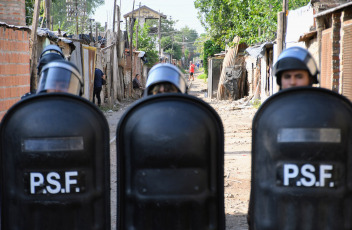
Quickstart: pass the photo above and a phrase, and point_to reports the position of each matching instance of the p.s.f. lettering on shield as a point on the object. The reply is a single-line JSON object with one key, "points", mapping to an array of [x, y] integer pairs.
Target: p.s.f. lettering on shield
{"points": [[53, 182], [308, 175]]}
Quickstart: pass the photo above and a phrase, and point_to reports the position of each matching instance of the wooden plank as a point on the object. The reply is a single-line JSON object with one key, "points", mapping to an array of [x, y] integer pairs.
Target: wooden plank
{"points": [[33, 47], [280, 32]]}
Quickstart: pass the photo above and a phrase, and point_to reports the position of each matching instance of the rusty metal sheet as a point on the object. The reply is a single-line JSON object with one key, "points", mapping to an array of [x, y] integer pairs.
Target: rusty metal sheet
{"points": [[89, 57]]}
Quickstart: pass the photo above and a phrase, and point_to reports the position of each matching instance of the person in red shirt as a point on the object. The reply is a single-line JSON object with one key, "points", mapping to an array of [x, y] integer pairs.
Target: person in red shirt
{"points": [[191, 71]]}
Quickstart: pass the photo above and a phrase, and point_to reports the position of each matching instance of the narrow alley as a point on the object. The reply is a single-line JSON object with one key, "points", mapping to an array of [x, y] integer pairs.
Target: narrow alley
{"points": [[237, 121]]}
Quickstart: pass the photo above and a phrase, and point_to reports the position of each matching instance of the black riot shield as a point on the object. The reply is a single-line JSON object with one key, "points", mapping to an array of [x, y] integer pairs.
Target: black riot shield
{"points": [[55, 170], [170, 150], [301, 163]]}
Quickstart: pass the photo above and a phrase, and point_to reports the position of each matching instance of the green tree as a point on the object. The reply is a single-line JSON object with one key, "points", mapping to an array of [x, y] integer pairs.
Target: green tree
{"points": [[253, 20], [199, 44], [173, 41], [59, 14], [210, 48], [146, 43]]}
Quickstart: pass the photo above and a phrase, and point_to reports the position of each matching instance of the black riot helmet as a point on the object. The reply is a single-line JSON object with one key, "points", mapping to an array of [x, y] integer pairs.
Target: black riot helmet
{"points": [[49, 53], [296, 58], [167, 75], [60, 76]]}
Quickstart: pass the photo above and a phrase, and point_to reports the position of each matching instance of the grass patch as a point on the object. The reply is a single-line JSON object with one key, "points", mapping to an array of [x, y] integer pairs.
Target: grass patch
{"points": [[256, 103], [202, 76], [105, 108], [183, 70]]}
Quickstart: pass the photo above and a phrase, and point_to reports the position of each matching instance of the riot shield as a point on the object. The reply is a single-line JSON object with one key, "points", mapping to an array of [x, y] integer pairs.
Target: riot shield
{"points": [[170, 150], [55, 170], [301, 163]]}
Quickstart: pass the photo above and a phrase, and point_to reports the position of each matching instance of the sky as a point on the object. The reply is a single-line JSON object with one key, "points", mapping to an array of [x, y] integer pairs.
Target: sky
{"points": [[181, 10]]}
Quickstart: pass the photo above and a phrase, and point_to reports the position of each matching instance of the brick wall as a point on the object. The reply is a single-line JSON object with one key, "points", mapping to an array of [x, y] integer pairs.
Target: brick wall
{"points": [[14, 66], [13, 12], [336, 28]]}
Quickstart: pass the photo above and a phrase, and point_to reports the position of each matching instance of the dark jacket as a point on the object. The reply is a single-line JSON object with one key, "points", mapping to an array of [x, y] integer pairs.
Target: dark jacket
{"points": [[98, 78]]}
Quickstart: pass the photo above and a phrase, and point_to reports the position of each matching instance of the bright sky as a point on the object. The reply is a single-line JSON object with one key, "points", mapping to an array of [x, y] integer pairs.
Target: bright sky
{"points": [[181, 10]]}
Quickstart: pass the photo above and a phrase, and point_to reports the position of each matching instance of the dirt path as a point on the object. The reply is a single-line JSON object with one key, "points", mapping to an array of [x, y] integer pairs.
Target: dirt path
{"points": [[237, 121]]}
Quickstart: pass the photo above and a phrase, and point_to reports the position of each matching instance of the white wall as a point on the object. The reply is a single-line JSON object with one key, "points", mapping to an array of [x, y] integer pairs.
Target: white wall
{"points": [[299, 22]]}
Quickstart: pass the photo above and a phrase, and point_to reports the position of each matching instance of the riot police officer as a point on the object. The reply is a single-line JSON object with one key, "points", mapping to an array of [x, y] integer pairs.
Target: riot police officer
{"points": [[60, 76], [295, 67], [50, 53], [165, 78]]}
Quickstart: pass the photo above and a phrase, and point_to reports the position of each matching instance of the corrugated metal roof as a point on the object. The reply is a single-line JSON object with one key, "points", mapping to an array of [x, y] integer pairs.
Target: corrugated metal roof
{"points": [[13, 26], [259, 51], [329, 11]]}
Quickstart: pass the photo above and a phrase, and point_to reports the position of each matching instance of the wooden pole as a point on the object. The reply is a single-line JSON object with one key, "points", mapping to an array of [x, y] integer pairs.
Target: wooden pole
{"points": [[121, 89], [113, 17], [159, 35], [285, 5], [284, 25], [33, 47], [77, 18], [139, 18], [280, 32], [96, 34], [131, 50], [47, 13]]}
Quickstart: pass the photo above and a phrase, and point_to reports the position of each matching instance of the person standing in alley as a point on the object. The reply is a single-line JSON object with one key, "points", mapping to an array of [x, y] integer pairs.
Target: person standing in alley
{"points": [[99, 81], [191, 70]]}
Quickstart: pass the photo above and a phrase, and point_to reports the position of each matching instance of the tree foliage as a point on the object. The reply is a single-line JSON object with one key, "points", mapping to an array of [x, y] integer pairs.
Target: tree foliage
{"points": [[174, 41], [146, 43], [210, 48], [59, 14], [253, 20]]}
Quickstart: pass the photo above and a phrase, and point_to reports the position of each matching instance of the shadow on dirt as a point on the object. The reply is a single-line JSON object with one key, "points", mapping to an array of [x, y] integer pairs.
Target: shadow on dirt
{"points": [[238, 152], [236, 222]]}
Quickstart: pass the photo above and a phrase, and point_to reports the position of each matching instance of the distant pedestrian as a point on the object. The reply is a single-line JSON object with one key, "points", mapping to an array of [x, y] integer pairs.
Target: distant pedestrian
{"points": [[137, 85], [191, 71], [137, 82], [99, 81]]}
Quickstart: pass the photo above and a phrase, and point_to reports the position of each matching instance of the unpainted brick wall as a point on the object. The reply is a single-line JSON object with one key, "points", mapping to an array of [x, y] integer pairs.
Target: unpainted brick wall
{"points": [[13, 12], [14, 66], [336, 38]]}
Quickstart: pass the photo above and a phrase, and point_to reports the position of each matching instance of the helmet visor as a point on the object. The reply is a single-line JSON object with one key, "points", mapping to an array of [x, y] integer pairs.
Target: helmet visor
{"points": [[163, 73], [307, 62], [59, 78]]}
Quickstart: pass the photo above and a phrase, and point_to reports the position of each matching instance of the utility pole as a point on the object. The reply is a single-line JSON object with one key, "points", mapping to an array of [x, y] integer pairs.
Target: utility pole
{"points": [[281, 27], [131, 50], [91, 20], [285, 9], [77, 18], [159, 34], [96, 34], [139, 18], [113, 17], [47, 13], [33, 50]]}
